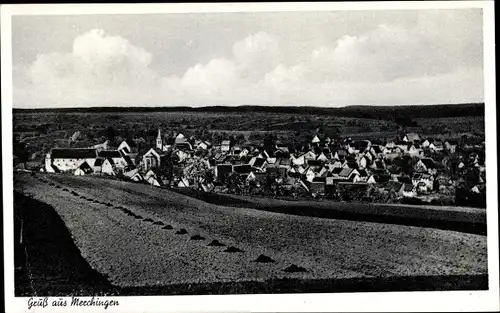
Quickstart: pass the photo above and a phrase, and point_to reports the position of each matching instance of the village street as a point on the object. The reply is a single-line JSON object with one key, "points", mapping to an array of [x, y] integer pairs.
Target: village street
{"points": [[134, 251]]}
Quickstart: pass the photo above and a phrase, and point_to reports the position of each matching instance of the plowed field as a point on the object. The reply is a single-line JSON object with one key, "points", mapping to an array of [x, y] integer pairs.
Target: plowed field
{"points": [[122, 230]]}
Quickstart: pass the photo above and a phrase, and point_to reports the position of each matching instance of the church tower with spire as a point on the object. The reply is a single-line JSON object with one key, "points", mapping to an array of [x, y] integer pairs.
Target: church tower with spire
{"points": [[159, 141]]}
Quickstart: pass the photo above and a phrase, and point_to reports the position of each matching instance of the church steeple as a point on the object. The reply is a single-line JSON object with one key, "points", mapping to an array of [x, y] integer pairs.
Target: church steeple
{"points": [[159, 141]]}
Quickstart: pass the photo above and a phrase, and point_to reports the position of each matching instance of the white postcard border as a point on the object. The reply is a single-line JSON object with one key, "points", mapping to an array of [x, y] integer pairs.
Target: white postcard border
{"points": [[348, 302]]}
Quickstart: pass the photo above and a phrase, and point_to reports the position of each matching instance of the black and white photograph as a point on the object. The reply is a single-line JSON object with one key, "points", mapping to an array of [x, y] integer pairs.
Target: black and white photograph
{"points": [[280, 152]]}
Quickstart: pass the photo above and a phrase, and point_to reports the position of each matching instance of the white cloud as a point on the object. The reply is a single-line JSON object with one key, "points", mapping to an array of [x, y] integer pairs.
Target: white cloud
{"points": [[386, 65]]}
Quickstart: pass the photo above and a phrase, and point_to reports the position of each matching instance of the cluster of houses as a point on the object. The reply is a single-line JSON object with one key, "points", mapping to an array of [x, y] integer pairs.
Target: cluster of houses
{"points": [[408, 166]]}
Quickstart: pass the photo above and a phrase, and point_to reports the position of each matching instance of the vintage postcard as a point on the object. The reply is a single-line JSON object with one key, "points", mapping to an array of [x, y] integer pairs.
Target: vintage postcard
{"points": [[259, 157]]}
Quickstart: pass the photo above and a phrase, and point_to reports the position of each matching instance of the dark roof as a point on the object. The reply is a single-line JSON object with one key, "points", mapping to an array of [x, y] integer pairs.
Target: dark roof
{"points": [[159, 151], [85, 167], [337, 170], [109, 154], [315, 162], [183, 145], [283, 161], [55, 168], [352, 164], [429, 163], [362, 173], [404, 179], [126, 149], [75, 153], [319, 180], [242, 169], [345, 172], [382, 178], [130, 143], [276, 169], [98, 162], [377, 149], [128, 160], [259, 162]]}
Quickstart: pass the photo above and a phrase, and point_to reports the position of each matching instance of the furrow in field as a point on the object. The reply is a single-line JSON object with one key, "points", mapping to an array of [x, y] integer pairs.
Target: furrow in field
{"points": [[133, 252]]}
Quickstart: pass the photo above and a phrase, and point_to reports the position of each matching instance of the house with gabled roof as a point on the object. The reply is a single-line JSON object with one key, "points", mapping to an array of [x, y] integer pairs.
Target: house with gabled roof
{"points": [[315, 139], [407, 190], [436, 146], [371, 180], [426, 165], [83, 169], [376, 150], [364, 162], [223, 170], [322, 157], [349, 174], [225, 146], [283, 162], [378, 164], [127, 146], [257, 162], [151, 178], [282, 151], [70, 159], [133, 175], [300, 160], [153, 158], [350, 164], [411, 137], [108, 167], [118, 158], [414, 150], [427, 142], [309, 174], [203, 145], [425, 178], [317, 186], [450, 145], [309, 155]]}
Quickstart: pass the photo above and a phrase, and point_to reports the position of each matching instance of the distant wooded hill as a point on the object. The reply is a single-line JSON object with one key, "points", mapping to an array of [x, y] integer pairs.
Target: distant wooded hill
{"points": [[358, 111]]}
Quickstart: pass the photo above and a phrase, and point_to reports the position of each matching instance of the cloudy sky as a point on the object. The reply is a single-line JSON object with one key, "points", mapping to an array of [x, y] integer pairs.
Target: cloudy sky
{"points": [[261, 58]]}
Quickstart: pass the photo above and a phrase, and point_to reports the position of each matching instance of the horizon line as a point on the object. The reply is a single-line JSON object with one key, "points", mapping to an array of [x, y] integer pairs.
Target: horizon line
{"points": [[248, 106]]}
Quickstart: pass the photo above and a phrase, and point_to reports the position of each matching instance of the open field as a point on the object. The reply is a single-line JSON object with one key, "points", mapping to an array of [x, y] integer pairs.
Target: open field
{"points": [[55, 264], [122, 231], [464, 219], [44, 130]]}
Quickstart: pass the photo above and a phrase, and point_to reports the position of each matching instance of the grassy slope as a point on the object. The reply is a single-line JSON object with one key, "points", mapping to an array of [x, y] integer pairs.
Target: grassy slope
{"points": [[59, 270], [471, 220]]}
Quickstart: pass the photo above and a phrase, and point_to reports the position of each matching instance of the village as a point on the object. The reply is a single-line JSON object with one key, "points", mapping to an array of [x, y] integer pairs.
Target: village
{"points": [[407, 169]]}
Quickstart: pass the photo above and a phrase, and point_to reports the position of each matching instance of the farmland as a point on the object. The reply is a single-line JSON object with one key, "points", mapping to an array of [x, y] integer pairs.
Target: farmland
{"points": [[133, 235], [53, 128]]}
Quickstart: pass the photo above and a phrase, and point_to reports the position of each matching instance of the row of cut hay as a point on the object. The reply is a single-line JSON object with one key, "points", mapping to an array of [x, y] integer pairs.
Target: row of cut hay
{"points": [[181, 231]]}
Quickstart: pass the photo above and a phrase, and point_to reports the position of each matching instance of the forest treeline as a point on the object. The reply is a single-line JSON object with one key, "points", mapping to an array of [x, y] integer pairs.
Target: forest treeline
{"points": [[359, 111]]}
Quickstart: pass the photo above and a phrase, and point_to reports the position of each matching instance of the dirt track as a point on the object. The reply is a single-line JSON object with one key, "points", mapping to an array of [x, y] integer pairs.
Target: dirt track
{"points": [[133, 252]]}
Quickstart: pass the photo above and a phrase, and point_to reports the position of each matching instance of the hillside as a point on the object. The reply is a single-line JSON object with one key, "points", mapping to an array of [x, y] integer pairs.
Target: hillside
{"points": [[366, 111]]}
